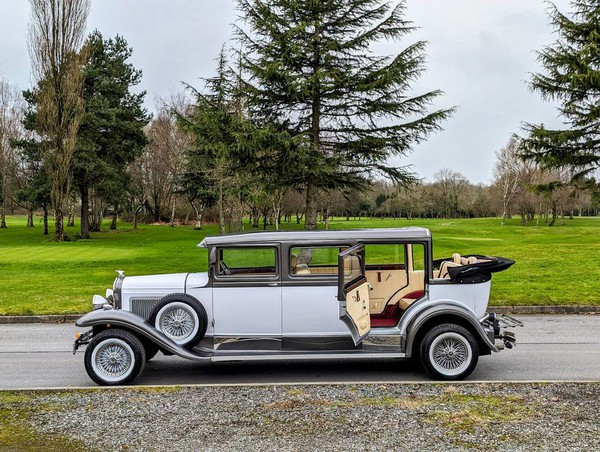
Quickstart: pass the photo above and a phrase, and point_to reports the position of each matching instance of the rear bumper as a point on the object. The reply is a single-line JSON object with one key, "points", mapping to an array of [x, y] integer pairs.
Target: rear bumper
{"points": [[496, 326]]}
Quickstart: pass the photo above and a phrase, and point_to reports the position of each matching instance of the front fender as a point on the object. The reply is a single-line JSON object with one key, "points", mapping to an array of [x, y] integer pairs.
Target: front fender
{"points": [[138, 325], [411, 325]]}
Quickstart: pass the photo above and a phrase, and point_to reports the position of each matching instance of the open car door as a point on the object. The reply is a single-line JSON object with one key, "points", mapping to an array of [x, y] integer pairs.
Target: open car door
{"points": [[353, 292]]}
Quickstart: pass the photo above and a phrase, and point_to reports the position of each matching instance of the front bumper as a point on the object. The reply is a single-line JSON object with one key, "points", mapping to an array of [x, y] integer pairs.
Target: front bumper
{"points": [[82, 339]]}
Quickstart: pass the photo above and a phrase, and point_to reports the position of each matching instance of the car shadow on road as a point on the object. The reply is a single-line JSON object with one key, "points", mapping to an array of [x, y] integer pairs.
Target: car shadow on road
{"points": [[172, 370]]}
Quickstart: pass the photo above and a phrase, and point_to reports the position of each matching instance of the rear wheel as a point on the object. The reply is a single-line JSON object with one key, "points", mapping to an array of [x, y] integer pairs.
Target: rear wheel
{"points": [[449, 352], [114, 357]]}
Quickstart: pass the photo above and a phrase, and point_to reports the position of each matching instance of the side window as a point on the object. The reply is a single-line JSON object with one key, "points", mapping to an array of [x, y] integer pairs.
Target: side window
{"points": [[315, 261], [247, 262], [385, 255]]}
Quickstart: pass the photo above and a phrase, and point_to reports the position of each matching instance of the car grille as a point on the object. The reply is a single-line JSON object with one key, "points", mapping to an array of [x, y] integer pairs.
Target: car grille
{"points": [[143, 306]]}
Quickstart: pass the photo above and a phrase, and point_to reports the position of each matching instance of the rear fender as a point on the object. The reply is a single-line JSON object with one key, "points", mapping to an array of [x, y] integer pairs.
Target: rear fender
{"points": [[137, 325], [412, 321]]}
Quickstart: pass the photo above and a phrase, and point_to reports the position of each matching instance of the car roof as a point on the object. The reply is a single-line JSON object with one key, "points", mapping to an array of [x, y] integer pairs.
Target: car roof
{"points": [[314, 237]]}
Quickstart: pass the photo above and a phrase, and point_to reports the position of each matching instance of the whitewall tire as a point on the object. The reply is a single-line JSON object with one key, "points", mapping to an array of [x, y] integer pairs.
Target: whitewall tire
{"points": [[449, 352]]}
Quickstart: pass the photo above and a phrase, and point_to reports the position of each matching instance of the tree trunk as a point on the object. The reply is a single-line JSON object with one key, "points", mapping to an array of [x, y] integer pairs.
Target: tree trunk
{"points": [[2, 215], [71, 217], [59, 232], [554, 214], [85, 212], [156, 210], [310, 223], [45, 220], [30, 218], [326, 217], [198, 209], [504, 214], [265, 215], [2, 196], [255, 217], [173, 213], [221, 206], [137, 213], [96, 219], [115, 217]]}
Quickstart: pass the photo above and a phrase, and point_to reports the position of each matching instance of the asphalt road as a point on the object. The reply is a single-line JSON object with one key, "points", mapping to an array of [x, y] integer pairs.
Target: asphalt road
{"points": [[550, 348]]}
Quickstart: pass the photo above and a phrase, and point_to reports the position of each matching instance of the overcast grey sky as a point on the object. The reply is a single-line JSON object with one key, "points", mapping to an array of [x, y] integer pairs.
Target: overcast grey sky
{"points": [[480, 54]]}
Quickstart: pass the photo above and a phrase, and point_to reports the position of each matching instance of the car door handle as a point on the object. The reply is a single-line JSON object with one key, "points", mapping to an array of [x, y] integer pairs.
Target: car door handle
{"points": [[273, 284]]}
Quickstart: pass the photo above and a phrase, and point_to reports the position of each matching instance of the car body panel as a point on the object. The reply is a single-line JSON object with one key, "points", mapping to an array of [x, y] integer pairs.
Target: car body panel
{"points": [[473, 297], [198, 286], [311, 310], [155, 286]]}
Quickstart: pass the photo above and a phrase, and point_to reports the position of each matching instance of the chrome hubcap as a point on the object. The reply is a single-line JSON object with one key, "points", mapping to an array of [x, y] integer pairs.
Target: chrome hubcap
{"points": [[113, 359], [177, 323], [450, 354]]}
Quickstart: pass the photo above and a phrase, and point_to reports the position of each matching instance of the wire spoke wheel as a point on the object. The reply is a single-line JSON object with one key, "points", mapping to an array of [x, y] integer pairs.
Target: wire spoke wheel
{"points": [[114, 357], [449, 352], [178, 321]]}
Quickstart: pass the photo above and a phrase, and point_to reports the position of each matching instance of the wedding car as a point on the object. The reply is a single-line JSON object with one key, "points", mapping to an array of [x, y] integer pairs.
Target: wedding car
{"points": [[301, 295]]}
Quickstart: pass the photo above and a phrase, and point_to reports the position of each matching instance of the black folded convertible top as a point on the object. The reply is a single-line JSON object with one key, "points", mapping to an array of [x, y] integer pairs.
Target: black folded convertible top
{"points": [[480, 271]]}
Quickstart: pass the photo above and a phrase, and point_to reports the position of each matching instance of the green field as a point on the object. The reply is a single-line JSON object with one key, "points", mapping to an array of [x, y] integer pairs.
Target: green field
{"points": [[558, 265]]}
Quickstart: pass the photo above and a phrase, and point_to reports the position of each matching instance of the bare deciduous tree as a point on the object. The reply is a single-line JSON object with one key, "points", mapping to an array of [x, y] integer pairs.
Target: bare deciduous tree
{"points": [[451, 186], [155, 173], [11, 112], [56, 35], [510, 173]]}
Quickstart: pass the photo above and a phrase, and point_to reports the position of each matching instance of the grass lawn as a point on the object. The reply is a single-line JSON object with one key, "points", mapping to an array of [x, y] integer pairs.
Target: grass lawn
{"points": [[558, 265]]}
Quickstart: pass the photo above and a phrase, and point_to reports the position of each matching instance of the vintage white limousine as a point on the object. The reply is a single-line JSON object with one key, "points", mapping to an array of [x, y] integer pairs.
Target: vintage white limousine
{"points": [[372, 294]]}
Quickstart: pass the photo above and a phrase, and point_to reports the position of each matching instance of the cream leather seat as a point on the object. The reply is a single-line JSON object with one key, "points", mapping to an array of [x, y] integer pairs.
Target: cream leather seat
{"points": [[444, 266], [298, 269]]}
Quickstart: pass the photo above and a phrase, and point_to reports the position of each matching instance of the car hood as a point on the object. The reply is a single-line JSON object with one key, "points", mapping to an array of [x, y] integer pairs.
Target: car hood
{"points": [[174, 282]]}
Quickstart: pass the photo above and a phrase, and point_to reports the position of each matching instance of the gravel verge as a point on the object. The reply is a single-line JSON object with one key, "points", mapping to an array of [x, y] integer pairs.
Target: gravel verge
{"points": [[512, 416]]}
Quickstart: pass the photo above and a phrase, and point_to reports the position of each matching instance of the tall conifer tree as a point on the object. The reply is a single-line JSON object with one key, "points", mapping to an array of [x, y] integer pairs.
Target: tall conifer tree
{"points": [[111, 134], [310, 67], [571, 76]]}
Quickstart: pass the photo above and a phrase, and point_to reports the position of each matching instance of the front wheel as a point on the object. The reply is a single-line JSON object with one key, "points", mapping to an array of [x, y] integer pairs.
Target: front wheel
{"points": [[449, 352], [114, 357]]}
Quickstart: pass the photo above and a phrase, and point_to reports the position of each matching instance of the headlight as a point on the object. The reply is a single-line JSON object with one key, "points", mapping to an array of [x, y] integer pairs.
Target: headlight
{"points": [[109, 296], [98, 301]]}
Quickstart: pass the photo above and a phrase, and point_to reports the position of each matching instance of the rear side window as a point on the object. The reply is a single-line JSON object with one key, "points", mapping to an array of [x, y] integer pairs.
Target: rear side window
{"points": [[418, 256], [314, 261], [385, 254]]}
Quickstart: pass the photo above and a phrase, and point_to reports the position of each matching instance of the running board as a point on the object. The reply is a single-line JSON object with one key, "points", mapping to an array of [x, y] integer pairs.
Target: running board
{"points": [[303, 356]]}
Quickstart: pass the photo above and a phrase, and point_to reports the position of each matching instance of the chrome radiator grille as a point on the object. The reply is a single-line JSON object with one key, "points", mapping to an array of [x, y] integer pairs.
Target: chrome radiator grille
{"points": [[143, 306]]}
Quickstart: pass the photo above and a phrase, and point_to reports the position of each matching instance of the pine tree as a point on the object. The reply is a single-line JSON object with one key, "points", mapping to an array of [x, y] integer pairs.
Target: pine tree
{"points": [[310, 69], [232, 158], [571, 76], [213, 122], [111, 134]]}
